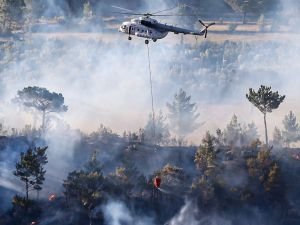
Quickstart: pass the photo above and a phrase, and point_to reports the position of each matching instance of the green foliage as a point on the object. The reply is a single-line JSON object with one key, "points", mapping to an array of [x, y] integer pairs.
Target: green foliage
{"points": [[250, 134], [291, 132], [183, 114], [266, 101], [205, 156], [173, 179], [21, 202], [273, 178], [266, 172], [206, 162], [24, 210], [126, 179], [205, 190], [84, 188], [30, 168], [277, 137], [42, 100], [93, 165], [259, 167], [237, 134], [233, 132]]}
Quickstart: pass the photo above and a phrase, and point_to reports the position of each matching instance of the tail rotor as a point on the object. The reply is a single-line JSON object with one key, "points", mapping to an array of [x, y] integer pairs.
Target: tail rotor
{"points": [[206, 27]]}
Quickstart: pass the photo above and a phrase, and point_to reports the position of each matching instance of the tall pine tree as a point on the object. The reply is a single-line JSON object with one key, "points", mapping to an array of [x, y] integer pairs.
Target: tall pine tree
{"points": [[266, 101], [291, 132], [183, 114], [30, 169]]}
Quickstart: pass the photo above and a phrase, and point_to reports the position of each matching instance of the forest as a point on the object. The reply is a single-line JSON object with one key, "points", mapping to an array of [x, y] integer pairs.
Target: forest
{"points": [[81, 144]]}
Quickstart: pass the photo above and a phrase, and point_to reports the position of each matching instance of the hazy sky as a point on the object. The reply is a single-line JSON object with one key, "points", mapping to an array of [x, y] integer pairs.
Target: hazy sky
{"points": [[110, 84]]}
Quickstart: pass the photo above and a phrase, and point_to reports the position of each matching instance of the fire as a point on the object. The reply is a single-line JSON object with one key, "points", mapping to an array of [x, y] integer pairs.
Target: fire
{"points": [[296, 156], [52, 197], [157, 181]]}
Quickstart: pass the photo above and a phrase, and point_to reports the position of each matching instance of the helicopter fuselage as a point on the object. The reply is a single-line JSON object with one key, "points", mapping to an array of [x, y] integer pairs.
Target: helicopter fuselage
{"points": [[149, 28], [141, 27]]}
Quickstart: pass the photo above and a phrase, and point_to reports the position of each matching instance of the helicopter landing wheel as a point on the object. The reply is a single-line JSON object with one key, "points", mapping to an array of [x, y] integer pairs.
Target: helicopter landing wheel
{"points": [[154, 40], [129, 38], [146, 42]]}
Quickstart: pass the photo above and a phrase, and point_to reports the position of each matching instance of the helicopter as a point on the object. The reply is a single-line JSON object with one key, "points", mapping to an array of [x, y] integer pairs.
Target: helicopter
{"points": [[150, 29]]}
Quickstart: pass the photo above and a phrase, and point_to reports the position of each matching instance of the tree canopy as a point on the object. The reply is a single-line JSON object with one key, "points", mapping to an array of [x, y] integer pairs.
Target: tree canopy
{"points": [[183, 114], [42, 100], [30, 168], [291, 132], [254, 6], [266, 101]]}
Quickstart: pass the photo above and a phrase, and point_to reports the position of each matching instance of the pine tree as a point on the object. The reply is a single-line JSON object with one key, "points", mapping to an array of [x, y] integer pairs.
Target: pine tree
{"points": [[93, 165], [30, 169], [86, 186], [277, 137], [42, 100], [233, 132], [183, 114], [161, 134], [266, 101], [250, 134], [205, 155], [291, 132]]}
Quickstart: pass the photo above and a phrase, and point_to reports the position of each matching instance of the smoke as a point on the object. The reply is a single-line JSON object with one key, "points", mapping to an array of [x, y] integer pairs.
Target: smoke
{"points": [[61, 143], [104, 79], [190, 214], [117, 213], [8, 157]]}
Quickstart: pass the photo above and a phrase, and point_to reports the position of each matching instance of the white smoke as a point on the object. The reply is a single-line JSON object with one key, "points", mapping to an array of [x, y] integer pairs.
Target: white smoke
{"points": [[190, 214], [117, 213]]}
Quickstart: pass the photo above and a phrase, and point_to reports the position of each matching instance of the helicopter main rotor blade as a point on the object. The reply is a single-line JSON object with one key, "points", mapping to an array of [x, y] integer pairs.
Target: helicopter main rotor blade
{"points": [[149, 14], [134, 14], [117, 7], [164, 10], [175, 15]]}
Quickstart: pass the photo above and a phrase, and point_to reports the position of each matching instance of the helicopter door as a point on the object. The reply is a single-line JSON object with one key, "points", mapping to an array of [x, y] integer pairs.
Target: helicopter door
{"points": [[130, 30]]}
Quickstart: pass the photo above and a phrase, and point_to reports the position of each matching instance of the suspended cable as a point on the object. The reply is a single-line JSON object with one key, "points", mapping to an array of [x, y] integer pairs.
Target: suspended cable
{"points": [[151, 88]]}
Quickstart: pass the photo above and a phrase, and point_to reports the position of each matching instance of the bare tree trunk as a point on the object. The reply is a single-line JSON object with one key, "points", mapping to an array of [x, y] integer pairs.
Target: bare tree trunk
{"points": [[44, 121], [27, 190], [244, 17], [266, 130]]}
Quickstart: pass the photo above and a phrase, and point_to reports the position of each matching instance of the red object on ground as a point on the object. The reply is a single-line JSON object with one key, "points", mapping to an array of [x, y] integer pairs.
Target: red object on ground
{"points": [[51, 197], [157, 181]]}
